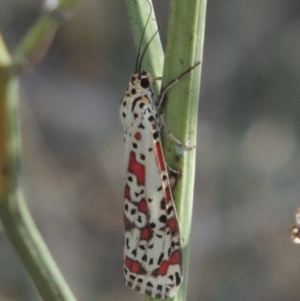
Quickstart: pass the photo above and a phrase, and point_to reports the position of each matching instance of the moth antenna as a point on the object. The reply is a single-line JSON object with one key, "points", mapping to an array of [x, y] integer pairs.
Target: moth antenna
{"points": [[144, 51], [143, 33]]}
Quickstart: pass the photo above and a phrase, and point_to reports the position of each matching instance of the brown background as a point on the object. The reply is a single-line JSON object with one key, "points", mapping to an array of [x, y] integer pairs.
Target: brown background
{"points": [[248, 161]]}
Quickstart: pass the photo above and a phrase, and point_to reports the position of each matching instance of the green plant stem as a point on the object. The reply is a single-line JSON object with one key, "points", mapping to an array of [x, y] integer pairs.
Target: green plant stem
{"points": [[15, 217], [37, 41], [184, 49], [14, 214], [138, 12]]}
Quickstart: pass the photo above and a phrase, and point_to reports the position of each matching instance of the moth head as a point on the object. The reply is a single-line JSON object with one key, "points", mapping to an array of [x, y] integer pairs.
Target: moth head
{"points": [[142, 80]]}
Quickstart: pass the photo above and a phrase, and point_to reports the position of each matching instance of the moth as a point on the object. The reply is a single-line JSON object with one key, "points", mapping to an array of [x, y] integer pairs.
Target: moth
{"points": [[152, 251]]}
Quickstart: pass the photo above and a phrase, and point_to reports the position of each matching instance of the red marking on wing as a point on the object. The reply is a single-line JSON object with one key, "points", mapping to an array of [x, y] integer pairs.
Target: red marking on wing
{"points": [[138, 136], [143, 207], [163, 269], [136, 267], [128, 262], [133, 266], [175, 258], [173, 224], [168, 194], [136, 168], [145, 234], [160, 156], [127, 192]]}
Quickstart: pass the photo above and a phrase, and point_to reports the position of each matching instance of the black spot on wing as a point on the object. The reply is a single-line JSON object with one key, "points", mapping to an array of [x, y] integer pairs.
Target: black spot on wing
{"points": [[136, 100], [155, 135], [137, 194], [170, 209], [163, 204], [178, 278], [149, 284], [144, 258], [163, 218], [160, 259]]}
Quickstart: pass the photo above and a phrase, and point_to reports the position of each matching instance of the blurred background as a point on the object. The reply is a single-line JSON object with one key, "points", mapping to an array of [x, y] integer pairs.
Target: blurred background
{"points": [[248, 160]]}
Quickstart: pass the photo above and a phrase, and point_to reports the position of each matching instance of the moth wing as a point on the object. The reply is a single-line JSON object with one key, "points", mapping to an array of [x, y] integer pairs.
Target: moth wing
{"points": [[152, 252]]}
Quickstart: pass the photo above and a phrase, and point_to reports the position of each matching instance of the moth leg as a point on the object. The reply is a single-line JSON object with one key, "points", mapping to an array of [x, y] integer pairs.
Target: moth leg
{"points": [[164, 126], [173, 82]]}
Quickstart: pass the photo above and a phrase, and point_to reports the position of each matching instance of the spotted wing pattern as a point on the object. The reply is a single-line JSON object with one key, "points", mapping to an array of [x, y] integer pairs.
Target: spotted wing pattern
{"points": [[152, 252]]}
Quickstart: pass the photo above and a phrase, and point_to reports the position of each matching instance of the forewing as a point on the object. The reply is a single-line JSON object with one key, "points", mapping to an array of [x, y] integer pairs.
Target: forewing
{"points": [[152, 253]]}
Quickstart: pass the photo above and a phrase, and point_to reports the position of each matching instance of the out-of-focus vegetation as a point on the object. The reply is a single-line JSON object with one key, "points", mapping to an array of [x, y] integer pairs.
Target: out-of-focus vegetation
{"points": [[248, 177]]}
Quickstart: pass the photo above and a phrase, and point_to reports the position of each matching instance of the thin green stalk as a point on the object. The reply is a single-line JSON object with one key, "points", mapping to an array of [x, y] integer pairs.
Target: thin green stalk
{"points": [[38, 39], [184, 49], [139, 11], [15, 217], [14, 214]]}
